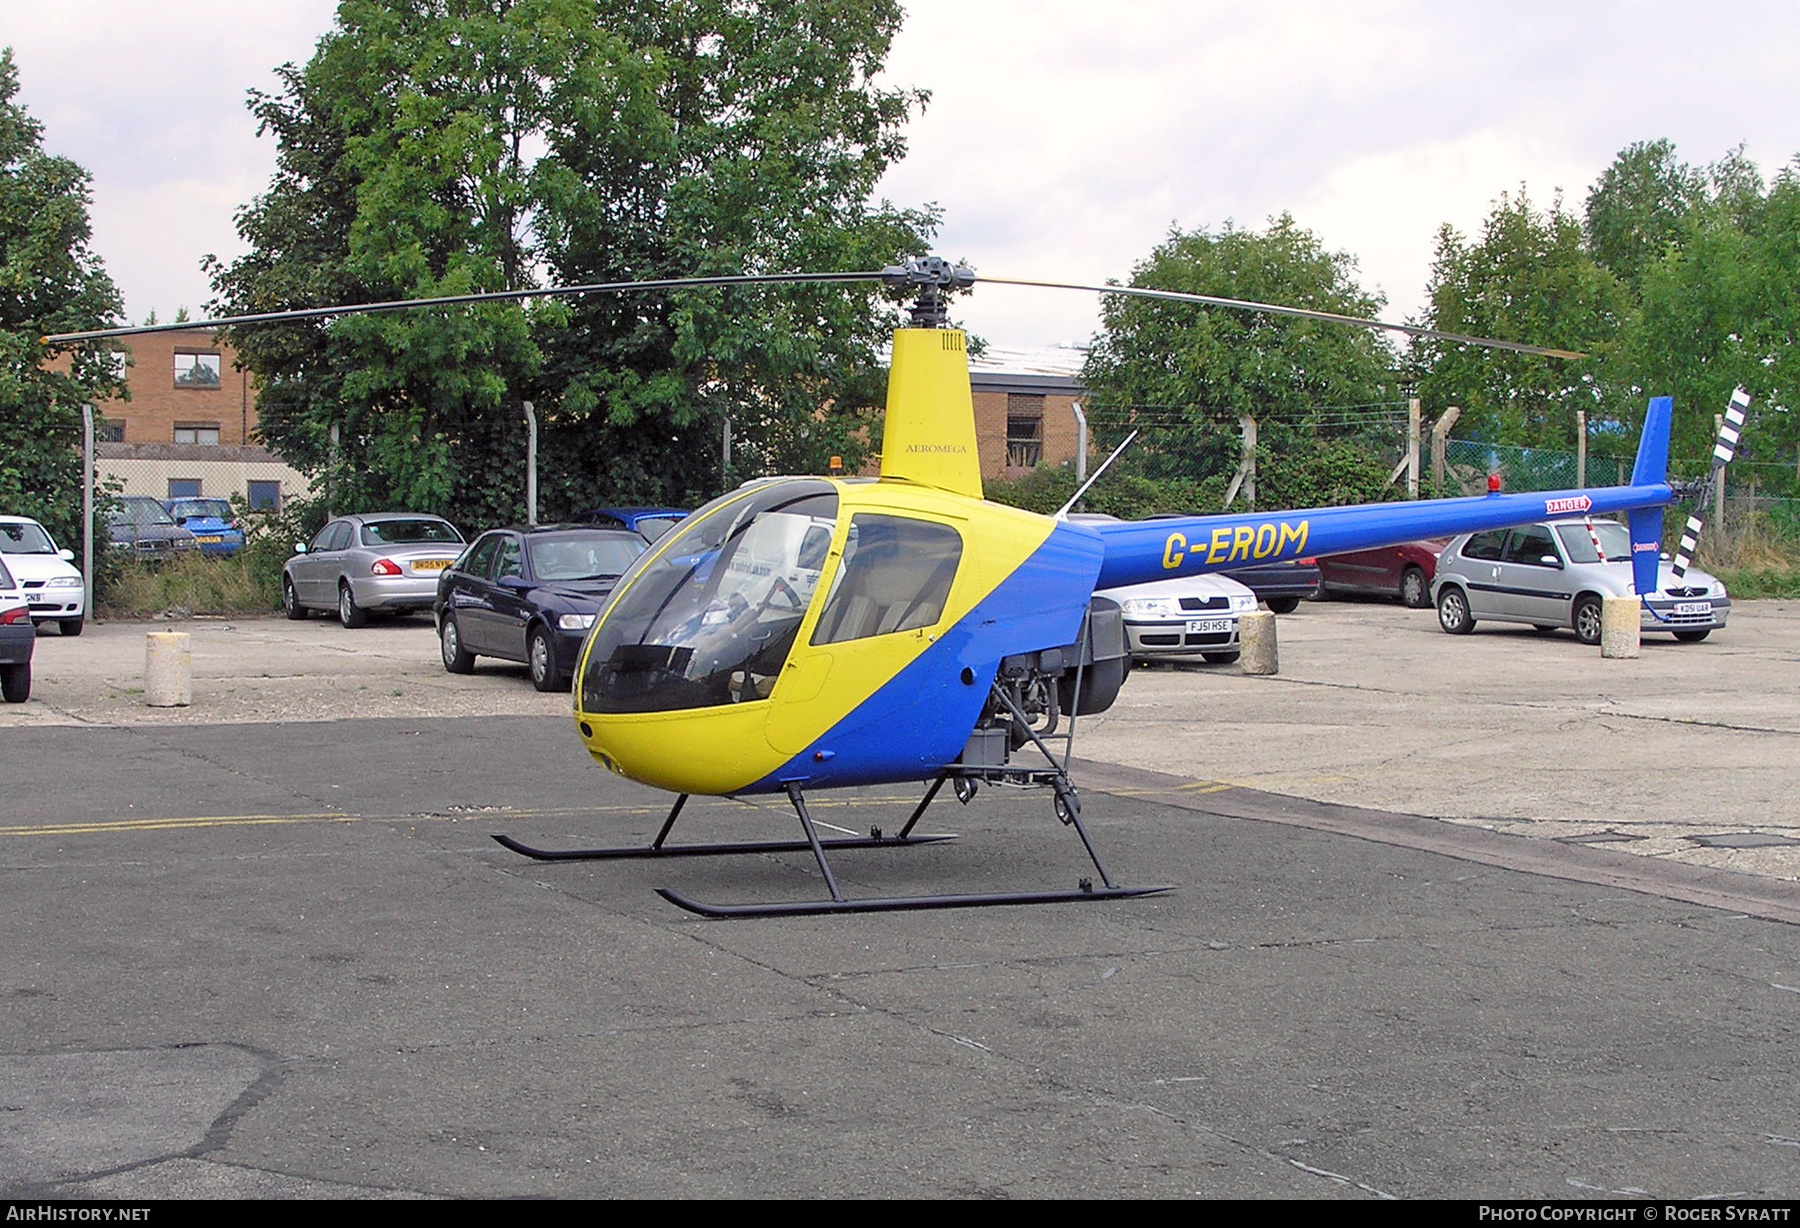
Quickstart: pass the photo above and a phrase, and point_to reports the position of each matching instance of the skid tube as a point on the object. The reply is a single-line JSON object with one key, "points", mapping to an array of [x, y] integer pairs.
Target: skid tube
{"points": [[656, 848], [1068, 809]]}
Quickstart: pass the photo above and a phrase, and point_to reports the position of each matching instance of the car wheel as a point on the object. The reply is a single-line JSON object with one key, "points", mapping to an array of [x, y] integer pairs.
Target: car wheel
{"points": [[349, 613], [15, 682], [457, 659], [290, 600], [1284, 605], [1587, 619], [1219, 658], [541, 654], [1693, 637], [1415, 594], [72, 626], [1453, 611]]}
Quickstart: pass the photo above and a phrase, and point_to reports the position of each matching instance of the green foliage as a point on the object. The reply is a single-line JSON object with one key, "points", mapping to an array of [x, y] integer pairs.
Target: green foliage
{"points": [[1638, 210], [196, 583], [1184, 374], [450, 146], [50, 282], [1528, 279]]}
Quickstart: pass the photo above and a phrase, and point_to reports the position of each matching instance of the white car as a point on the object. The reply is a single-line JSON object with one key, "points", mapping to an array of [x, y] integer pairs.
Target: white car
{"points": [[1188, 616], [47, 574]]}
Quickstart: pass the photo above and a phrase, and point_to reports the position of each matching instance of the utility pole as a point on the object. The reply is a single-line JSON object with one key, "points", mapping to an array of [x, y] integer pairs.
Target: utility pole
{"points": [[1440, 435]]}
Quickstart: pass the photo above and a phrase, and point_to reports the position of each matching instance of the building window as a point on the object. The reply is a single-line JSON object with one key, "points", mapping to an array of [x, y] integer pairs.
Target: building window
{"points": [[109, 432], [196, 370], [1024, 429], [265, 495], [184, 488], [197, 432]]}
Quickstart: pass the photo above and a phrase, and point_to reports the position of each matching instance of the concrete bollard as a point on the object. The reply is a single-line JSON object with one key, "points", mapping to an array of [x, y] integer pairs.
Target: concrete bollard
{"points": [[168, 669], [1619, 628], [1256, 643]]}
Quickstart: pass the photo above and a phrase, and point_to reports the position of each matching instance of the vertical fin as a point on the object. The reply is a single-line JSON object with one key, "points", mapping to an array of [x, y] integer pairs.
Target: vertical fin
{"points": [[929, 437], [1652, 466]]}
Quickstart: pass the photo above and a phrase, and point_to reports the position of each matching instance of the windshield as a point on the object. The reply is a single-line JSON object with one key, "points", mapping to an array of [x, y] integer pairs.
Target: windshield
{"points": [[138, 510], [711, 619], [582, 556], [1614, 539], [409, 533], [216, 509], [27, 538]]}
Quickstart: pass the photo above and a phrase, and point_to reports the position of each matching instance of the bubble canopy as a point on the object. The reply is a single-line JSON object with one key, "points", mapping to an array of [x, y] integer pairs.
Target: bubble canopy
{"points": [[711, 618]]}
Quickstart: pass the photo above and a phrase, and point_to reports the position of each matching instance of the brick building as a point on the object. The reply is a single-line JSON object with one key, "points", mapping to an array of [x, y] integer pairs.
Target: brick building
{"points": [[1023, 420], [188, 428]]}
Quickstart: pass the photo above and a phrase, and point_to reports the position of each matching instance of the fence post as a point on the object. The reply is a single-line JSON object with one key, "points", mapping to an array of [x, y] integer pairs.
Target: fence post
{"points": [[1245, 477], [1412, 448], [530, 465], [88, 477], [1581, 449], [1718, 478], [1440, 435], [725, 455]]}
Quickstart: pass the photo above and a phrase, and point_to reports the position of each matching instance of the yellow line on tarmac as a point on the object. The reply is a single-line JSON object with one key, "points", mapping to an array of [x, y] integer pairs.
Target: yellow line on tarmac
{"points": [[277, 820]]}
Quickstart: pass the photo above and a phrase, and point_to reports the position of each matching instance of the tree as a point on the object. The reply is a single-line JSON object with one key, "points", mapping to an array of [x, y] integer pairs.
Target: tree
{"points": [[1192, 371], [445, 146], [1528, 279], [1638, 209], [50, 282]]}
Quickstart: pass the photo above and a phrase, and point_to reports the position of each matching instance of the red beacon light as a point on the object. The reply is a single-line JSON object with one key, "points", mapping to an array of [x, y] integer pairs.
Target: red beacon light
{"points": [[1493, 483]]}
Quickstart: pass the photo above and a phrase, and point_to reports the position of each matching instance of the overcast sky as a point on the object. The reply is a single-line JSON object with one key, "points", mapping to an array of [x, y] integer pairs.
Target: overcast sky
{"points": [[1063, 139]]}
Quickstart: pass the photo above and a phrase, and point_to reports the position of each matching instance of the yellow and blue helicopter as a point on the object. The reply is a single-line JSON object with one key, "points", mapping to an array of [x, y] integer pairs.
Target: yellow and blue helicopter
{"points": [[810, 633]]}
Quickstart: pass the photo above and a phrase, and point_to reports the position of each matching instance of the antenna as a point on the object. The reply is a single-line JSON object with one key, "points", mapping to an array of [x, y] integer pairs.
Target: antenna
{"points": [[1063, 511]]}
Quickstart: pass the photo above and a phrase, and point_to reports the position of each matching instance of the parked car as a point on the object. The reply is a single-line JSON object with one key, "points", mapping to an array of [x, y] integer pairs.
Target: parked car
{"points": [[530, 595], [648, 522], [142, 525], [1281, 586], [46, 574], [387, 563], [211, 521], [18, 639], [1549, 575], [1404, 571], [1183, 617]]}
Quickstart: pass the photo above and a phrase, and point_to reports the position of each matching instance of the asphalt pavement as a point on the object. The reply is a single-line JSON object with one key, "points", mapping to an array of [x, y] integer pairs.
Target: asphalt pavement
{"points": [[265, 945]]}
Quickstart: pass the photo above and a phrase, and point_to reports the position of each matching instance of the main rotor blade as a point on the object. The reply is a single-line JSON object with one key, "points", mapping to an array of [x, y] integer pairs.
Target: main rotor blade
{"points": [[451, 300], [1305, 313]]}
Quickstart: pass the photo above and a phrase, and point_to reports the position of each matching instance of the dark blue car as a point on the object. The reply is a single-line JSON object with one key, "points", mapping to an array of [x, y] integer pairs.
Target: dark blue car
{"points": [[530, 595]]}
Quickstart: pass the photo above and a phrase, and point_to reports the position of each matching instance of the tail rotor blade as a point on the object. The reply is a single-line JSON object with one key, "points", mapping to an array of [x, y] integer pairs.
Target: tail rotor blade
{"points": [[1725, 447]]}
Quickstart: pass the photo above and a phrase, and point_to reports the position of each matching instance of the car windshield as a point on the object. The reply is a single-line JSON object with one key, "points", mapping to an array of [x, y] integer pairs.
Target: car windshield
{"points": [[139, 510], [410, 533], [582, 556], [1613, 536], [193, 509], [27, 538], [653, 527]]}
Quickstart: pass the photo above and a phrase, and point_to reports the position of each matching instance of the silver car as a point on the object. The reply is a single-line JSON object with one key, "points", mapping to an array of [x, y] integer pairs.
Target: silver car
{"points": [[1549, 575], [1184, 617], [358, 565]]}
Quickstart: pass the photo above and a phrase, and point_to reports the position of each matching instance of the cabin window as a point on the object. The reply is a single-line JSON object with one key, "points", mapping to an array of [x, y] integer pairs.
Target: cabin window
{"points": [[711, 618], [895, 577]]}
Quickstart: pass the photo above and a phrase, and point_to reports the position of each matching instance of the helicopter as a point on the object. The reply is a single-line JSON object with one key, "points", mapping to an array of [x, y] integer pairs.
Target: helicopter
{"points": [[809, 633]]}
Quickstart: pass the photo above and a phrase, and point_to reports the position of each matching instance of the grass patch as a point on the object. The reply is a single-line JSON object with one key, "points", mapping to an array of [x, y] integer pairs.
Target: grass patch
{"points": [[1748, 583], [196, 583]]}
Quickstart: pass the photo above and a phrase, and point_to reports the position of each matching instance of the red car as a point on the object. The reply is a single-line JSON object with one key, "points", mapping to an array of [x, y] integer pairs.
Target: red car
{"points": [[1402, 571]]}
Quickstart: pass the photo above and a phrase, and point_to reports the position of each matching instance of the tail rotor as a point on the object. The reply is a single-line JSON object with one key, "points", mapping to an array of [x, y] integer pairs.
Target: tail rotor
{"points": [[1731, 429]]}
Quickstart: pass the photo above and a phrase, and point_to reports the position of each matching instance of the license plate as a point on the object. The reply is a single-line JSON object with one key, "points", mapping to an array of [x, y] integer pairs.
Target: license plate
{"points": [[210, 541], [430, 564], [1199, 626], [1694, 607]]}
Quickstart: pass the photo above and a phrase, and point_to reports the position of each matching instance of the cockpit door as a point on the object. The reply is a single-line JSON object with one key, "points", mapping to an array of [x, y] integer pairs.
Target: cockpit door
{"points": [[882, 605]]}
